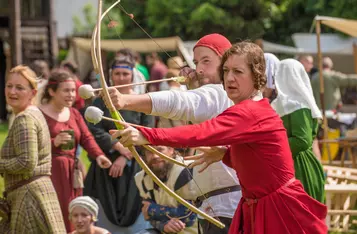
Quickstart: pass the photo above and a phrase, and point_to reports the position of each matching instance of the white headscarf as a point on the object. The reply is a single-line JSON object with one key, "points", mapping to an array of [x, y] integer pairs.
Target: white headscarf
{"points": [[87, 203], [294, 89], [272, 63]]}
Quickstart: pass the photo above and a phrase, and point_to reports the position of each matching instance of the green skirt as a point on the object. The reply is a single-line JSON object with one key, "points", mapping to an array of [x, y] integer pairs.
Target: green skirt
{"points": [[310, 172]]}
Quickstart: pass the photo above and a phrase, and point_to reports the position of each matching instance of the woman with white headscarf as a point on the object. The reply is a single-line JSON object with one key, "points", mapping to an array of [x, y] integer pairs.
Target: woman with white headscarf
{"points": [[272, 63], [83, 213], [297, 108]]}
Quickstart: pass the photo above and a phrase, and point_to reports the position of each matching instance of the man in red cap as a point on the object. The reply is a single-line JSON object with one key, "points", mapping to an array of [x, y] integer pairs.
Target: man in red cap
{"points": [[219, 190]]}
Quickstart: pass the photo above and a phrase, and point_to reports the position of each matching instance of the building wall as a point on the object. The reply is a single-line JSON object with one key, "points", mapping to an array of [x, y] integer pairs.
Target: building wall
{"points": [[64, 11]]}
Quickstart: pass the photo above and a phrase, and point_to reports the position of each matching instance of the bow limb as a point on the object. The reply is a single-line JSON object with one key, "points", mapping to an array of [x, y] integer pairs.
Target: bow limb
{"points": [[93, 47], [96, 65], [132, 149]]}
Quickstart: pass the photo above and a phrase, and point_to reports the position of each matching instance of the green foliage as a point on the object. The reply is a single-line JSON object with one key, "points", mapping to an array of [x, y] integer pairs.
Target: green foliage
{"points": [[90, 19], [237, 19], [273, 20], [62, 54]]}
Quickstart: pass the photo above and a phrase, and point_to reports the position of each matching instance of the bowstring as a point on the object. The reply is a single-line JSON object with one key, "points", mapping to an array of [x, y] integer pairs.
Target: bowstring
{"points": [[137, 24], [164, 51]]}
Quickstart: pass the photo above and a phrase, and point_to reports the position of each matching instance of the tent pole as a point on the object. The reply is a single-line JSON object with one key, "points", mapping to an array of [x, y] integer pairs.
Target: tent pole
{"points": [[322, 85], [355, 56]]}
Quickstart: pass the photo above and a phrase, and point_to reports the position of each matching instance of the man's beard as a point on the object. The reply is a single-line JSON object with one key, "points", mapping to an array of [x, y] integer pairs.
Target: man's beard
{"points": [[161, 172], [203, 80]]}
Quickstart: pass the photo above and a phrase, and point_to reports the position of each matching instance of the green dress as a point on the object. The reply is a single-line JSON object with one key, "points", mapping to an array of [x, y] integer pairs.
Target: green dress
{"points": [[302, 129]]}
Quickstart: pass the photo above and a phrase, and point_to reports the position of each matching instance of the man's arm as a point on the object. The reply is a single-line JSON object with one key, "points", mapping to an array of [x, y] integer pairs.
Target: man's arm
{"points": [[345, 80], [159, 225], [164, 213], [195, 105], [132, 102]]}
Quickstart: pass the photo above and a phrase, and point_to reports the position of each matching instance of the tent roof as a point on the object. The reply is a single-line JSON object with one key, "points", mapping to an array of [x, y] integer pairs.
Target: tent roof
{"points": [[330, 43], [277, 48], [344, 25], [268, 47], [139, 45]]}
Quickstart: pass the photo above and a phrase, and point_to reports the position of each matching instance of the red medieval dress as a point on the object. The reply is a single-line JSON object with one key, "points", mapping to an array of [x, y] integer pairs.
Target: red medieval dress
{"points": [[63, 160], [273, 200]]}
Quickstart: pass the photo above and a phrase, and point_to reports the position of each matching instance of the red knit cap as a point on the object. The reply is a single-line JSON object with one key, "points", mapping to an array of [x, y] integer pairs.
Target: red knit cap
{"points": [[216, 42]]}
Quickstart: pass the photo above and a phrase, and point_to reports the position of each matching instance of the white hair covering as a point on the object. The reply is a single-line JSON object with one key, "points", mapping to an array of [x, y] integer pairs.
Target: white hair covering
{"points": [[272, 63], [294, 89], [87, 203]]}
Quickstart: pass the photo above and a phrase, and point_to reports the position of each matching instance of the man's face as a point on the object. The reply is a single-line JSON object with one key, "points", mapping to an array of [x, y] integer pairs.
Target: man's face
{"points": [[308, 63], [207, 63], [158, 165], [149, 60]]}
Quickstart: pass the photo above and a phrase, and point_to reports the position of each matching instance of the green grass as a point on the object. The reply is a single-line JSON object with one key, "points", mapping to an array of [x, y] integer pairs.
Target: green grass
{"points": [[84, 159], [3, 134]]}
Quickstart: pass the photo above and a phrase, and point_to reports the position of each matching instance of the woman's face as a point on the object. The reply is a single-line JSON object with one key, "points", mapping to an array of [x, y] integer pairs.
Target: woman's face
{"points": [[81, 220], [18, 92], [238, 78], [65, 94], [121, 76]]}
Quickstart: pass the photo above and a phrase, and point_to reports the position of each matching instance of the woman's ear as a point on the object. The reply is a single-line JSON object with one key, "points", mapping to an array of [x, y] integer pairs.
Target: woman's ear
{"points": [[51, 92], [34, 93]]}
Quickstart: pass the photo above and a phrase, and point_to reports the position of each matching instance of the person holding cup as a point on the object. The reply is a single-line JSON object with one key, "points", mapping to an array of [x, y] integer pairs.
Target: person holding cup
{"points": [[29, 203], [67, 129]]}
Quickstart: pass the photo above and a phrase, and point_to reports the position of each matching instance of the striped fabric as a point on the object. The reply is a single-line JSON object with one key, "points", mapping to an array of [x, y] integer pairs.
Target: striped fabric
{"points": [[25, 153]]}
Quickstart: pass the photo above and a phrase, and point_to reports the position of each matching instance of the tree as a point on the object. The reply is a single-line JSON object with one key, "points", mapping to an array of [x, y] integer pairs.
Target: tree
{"points": [[236, 19], [273, 20], [298, 15], [90, 19]]}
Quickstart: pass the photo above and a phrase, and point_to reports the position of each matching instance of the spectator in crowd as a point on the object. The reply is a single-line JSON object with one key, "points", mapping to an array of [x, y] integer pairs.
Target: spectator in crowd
{"points": [[158, 70]]}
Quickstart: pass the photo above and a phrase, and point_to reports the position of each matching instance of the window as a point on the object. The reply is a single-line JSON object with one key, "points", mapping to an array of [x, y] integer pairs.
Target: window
{"points": [[4, 7], [34, 9]]}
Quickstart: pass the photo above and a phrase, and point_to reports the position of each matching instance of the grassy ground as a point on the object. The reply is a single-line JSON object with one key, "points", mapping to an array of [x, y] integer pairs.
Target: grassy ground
{"points": [[3, 133]]}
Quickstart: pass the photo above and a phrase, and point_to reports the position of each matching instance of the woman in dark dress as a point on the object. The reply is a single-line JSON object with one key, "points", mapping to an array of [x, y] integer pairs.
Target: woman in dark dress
{"points": [[115, 187]]}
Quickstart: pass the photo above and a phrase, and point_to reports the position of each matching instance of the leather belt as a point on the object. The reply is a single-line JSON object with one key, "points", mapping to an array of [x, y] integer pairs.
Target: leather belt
{"points": [[22, 183], [230, 189]]}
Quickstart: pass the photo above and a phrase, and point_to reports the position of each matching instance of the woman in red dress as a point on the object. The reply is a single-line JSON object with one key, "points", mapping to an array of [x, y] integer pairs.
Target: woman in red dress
{"points": [[273, 200], [66, 124]]}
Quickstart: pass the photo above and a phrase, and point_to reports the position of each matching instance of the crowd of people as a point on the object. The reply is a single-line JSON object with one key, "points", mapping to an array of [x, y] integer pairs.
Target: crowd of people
{"points": [[245, 125]]}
